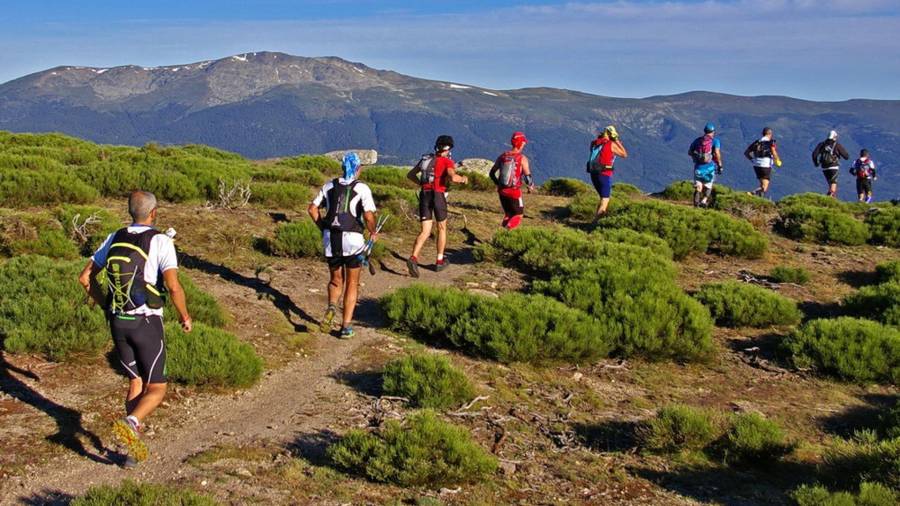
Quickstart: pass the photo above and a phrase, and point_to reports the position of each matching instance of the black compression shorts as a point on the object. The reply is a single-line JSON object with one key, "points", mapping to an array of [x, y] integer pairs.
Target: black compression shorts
{"points": [[831, 175], [863, 185], [512, 206], [432, 203], [140, 346], [763, 172], [351, 262]]}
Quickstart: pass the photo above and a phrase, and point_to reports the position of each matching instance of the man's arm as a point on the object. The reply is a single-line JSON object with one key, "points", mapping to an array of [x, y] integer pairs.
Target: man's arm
{"points": [[815, 154], [413, 174], [88, 280], [618, 148], [170, 277], [494, 173], [456, 178], [717, 156], [842, 151], [314, 213], [369, 218], [748, 153]]}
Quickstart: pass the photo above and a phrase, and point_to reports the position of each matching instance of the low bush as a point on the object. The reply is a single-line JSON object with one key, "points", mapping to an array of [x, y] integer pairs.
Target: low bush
{"points": [[736, 304], [210, 357], [23, 188], [821, 225], [387, 175], [888, 271], [287, 174], [679, 190], [584, 206], [850, 348], [756, 210], [297, 239], [819, 200], [204, 308], [88, 226], [688, 230], [864, 457], [879, 302], [280, 195], [884, 226], [321, 164], [628, 236], [677, 428], [890, 421], [626, 189], [428, 381], [34, 234], [421, 451], [565, 187], [786, 274], [754, 440], [511, 328], [43, 309], [870, 494], [141, 494], [478, 182]]}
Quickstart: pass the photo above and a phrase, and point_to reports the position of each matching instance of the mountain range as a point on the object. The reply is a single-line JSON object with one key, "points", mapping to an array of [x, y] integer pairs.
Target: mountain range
{"points": [[269, 104]]}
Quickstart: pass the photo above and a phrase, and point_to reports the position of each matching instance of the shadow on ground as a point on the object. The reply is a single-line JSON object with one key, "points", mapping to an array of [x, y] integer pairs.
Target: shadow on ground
{"points": [[608, 436], [281, 300], [312, 446], [47, 498], [69, 425], [858, 279], [365, 382], [865, 416]]}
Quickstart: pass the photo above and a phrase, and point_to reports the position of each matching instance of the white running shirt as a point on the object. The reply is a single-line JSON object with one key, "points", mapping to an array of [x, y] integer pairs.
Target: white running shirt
{"points": [[765, 162], [160, 258], [352, 243]]}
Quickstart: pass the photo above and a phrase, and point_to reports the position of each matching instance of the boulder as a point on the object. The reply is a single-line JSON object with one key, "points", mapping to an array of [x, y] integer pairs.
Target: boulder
{"points": [[479, 165], [366, 156]]}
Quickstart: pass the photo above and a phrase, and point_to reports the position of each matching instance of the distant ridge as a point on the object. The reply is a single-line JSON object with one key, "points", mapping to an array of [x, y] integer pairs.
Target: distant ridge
{"points": [[268, 104]]}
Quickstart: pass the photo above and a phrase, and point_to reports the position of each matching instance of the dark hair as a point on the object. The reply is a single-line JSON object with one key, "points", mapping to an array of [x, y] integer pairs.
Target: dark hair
{"points": [[767, 131], [864, 152], [443, 140]]}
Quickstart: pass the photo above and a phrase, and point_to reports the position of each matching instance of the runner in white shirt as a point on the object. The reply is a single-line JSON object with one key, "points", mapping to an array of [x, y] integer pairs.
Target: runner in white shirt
{"points": [[133, 259], [349, 212]]}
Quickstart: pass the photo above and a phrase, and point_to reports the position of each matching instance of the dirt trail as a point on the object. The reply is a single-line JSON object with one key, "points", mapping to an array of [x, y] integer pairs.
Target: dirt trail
{"points": [[299, 398]]}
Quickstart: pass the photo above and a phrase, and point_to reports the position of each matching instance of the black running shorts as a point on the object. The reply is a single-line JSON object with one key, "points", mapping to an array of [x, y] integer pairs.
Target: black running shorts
{"points": [[351, 262], [831, 175], [140, 346], [512, 206], [432, 203], [863, 185], [763, 172]]}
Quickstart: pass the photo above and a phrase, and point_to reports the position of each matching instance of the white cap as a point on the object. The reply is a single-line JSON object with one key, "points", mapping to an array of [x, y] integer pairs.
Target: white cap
{"points": [[832, 135]]}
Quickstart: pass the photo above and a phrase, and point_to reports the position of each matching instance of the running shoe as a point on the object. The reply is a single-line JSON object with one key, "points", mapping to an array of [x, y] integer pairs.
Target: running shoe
{"points": [[438, 267], [868, 200], [130, 462], [128, 435], [413, 267], [328, 319], [347, 332]]}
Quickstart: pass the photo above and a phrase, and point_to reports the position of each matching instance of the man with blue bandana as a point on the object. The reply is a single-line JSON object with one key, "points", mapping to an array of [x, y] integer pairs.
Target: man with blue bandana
{"points": [[349, 212]]}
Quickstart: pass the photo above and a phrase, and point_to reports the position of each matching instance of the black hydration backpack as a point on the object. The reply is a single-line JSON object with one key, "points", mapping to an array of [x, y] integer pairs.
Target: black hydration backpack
{"points": [[340, 216], [125, 264], [763, 149], [828, 157]]}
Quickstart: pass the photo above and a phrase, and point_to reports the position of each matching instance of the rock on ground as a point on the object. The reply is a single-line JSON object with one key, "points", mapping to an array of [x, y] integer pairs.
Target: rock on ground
{"points": [[366, 156], [479, 165]]}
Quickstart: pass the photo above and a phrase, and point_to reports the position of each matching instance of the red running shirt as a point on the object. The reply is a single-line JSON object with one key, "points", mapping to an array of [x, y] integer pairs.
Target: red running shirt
{"points": [[441, 164]]}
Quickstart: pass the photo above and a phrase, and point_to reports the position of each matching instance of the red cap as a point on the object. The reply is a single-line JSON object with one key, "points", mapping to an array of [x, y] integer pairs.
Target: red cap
{"points": [[518, 138]]}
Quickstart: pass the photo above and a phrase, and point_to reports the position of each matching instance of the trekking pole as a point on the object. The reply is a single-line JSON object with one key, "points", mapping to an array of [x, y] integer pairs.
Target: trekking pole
{"points": [[370, 244]]}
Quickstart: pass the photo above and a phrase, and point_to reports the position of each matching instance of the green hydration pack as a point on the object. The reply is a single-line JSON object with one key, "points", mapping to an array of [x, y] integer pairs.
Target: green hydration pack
{"points": [[125, 263]]}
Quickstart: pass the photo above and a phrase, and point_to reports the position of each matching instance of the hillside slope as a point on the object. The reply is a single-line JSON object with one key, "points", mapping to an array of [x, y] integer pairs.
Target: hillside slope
{"points": [[273, 104]]}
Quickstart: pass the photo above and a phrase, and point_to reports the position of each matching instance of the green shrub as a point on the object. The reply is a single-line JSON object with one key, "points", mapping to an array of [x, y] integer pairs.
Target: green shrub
{"points": [[750, 207], [816, 200], [280, 195], [204, 308], [870, 494], [43, 309], [286, 174], [387, 175], [565, 187], [679, 190], [583, 206], [511, 328], [641, 307], [103, 223], [626, 189], [890, 422], [34, 234], [478, 182], [879, 302], [628, 236], [23, 188], [884, 226], [888, 271], [422, 451], [850, 348], [428, 381], [677, 428], [753, 439], [211, 357], [382, 194], [319, 163], [689, 230], [786, 274], [141, 494], [297, 239], [864, 458], [736, 304], [821, 225]]}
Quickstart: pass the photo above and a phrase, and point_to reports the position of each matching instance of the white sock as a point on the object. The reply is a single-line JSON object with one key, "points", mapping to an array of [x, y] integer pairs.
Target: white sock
{"points": [[440, 257], [133, 421]]}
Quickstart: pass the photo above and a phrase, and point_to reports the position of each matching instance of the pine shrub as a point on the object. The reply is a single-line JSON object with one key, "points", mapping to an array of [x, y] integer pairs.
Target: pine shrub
{"points": [[884, 226], [849, 348], [204, 308], [627, 236], [754, 440], [584, 206], [23, 188], [421, 451], [677, 428], [888, 271], [511, 328], [297, 239], [787, 274], [864, 457], [141, 494], [736, 304], [281, 195], [95, 233], [287, 174], [879, 302], [387, 175], [210, 357], [478, 182], [43, 309], [565, 187], [428, 381], [688, 230], [755, 209], [322, 164], [870, 494], [679, 190], [821, 225], [626, 189]]}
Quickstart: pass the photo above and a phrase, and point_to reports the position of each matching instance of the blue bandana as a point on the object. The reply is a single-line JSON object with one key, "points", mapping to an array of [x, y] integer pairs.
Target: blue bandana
{"points": [[351, 165]]}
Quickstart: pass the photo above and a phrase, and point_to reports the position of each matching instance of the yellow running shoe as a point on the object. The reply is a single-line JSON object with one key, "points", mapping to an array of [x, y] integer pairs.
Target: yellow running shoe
{"points": [[328, 319], [128, 436]]}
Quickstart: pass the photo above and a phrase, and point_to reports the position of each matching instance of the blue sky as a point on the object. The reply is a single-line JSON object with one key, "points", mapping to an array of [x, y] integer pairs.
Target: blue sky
{"points": [[815, 49]]}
